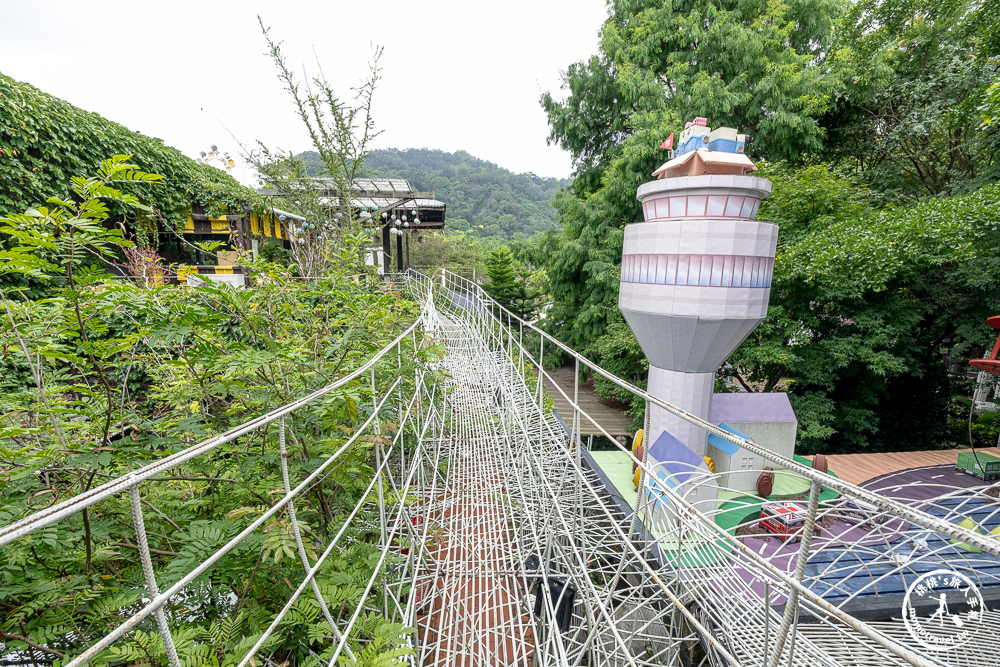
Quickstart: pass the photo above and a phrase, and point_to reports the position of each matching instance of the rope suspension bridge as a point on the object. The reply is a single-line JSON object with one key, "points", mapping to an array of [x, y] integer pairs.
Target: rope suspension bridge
{"points": [[502, 544]]}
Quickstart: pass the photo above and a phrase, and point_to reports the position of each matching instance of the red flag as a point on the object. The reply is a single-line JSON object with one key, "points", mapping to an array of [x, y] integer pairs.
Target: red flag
{"points": [[669, 143]]}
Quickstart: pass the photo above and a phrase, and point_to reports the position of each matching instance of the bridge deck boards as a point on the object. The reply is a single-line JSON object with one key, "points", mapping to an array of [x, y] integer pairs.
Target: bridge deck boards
{"points": [[471, 612], [613, 420]]}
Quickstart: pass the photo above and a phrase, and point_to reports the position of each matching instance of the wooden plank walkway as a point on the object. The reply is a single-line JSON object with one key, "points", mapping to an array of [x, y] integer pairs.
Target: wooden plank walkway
{"points": [[857, 468], [612, 419]]}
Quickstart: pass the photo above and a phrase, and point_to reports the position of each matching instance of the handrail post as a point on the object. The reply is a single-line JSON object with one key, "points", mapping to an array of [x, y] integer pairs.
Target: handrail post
{"points": [[147, 570], [541, 377], [378, 466], [639, 495], [399, 401], [792, 603]]}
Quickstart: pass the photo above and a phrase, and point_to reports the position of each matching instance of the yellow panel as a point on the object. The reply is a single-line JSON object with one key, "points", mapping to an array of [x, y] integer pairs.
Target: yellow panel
{"points": [[267, 225], [223, 270], [189, 225]]}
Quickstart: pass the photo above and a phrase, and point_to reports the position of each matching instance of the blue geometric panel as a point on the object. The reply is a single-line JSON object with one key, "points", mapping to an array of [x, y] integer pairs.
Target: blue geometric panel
{"points": [[724, 445], [676, 458]]}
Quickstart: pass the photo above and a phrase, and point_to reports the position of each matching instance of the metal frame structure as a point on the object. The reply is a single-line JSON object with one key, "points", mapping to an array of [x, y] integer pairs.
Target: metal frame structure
{"points": [[742, 607], [501, 546]]}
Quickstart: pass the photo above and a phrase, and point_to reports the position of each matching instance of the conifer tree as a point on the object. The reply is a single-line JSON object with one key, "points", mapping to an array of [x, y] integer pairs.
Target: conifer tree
{"points": [[508, 285]]}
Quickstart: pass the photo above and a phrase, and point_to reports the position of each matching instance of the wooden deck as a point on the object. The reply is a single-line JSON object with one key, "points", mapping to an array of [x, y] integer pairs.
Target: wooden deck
{"points": [[612, 419], [857, 468]]}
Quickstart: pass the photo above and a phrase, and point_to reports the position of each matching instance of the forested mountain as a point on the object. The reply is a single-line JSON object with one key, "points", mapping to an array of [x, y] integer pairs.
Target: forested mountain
{"points": [[485, 200]]}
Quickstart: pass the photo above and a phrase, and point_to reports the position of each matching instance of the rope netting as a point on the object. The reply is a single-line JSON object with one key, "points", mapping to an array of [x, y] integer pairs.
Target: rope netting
{"points": [[501, 543]]}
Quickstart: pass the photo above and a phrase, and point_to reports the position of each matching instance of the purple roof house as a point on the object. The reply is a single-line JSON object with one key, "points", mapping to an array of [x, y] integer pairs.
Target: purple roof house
{"points": [[767, 419]]}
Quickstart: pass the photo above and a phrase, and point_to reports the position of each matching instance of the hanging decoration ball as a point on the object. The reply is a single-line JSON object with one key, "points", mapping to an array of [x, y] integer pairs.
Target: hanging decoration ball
{"points": [[413, 211], [281, 217], [385, 215], [340, 215], [393, 216], [406, 224], [416, 221]]}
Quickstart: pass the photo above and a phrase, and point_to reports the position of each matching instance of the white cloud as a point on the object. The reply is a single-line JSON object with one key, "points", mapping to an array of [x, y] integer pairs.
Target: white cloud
{"points": [[456, 74]]}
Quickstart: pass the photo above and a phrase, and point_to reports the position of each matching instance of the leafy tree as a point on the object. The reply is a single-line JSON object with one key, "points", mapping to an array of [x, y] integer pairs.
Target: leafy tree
{"points": [[341, 133], [167, 366], [503, 285], [63, 240], [914, 81], [745, 63]]}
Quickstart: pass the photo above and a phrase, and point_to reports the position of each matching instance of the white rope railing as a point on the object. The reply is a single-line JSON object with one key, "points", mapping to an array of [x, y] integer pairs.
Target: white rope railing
{"points": [[467, 302], [132, 481], [500, 545]]}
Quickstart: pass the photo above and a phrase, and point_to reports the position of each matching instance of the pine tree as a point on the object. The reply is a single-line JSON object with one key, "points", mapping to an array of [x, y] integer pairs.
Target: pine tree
{"points": [[503, 280], [507, 287]]}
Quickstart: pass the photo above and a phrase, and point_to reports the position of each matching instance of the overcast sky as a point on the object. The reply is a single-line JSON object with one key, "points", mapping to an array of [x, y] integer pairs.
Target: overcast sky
{"points": [[457, 74]]}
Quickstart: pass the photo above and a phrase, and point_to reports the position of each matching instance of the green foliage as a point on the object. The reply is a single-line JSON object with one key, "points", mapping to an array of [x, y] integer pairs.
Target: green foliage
{"points": [[45, 142], [508, 285], [454, 250], [915, 79], [868, 253], [103, 376], [873, 116], [990, 108], [807, 200]]}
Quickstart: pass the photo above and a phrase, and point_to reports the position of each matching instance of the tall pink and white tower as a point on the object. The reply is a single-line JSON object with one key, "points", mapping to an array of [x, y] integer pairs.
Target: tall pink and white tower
{"points": [[696, 274]]}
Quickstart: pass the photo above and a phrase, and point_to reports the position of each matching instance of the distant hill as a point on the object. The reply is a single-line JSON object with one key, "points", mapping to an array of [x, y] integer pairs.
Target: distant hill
{"points": [[485, 200]]}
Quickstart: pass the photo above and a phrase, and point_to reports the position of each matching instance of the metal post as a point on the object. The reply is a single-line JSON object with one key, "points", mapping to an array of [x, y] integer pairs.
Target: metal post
{"points": [[792, 604], [639, 495], [147, 571], [767, 622], [399, 400], [520, 347], [298, 534], [378, 465], [541, 378]]}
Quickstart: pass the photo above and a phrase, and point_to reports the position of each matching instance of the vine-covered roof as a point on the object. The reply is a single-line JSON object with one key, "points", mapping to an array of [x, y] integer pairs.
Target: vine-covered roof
{"points": [[44, 141]]}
